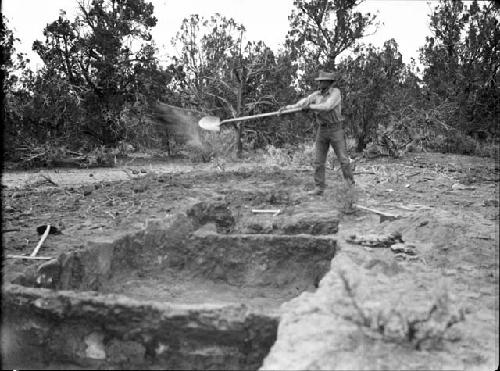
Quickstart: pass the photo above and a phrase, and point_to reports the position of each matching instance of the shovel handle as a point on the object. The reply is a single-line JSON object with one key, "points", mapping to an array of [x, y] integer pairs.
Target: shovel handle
{"points": [[262, 115]]}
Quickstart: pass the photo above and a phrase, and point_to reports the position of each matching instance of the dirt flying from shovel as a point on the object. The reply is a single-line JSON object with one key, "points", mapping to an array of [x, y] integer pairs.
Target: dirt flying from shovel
{"points": [[182, 122]]}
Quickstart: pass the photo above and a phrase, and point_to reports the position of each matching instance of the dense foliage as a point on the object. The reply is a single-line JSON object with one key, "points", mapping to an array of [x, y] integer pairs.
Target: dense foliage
{"points": [[102, 76], [462, 59], [100, 72]]}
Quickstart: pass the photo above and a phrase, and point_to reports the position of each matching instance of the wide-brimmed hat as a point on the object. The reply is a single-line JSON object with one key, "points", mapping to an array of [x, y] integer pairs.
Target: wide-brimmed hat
{"points": [[328, 76]]}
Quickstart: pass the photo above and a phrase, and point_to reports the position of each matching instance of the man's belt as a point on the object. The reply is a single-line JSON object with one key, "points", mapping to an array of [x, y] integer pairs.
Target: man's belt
{"points": [[326, 124]]}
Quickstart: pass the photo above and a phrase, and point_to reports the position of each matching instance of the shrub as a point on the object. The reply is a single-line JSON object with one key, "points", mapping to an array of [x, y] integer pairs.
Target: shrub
{"points": [[462, 144], [304, 155], [421, 329], [301, 155], [208, 146], [274, 156]]}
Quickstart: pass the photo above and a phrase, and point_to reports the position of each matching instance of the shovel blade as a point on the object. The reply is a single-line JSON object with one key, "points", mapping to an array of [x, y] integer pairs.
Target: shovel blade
{"points": [[211, 123]]}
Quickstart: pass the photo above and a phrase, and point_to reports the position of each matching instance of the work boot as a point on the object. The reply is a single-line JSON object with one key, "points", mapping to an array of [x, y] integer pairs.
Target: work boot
{"points": [[316, 192]]}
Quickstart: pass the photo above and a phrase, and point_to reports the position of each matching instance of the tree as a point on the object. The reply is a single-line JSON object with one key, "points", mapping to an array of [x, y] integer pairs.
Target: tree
{"points": [[210, 50], [375, 82], [8, 52], [224, 75], [441, 54], [16, 85], [320, 30], [7, 67], [462, 59], [106, 57]]}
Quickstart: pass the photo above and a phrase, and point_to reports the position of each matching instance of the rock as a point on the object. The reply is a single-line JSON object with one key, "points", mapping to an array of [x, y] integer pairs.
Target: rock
{"points": [[95, 346], [398, 248], [87, 190], [401, 248], [376, 240]]}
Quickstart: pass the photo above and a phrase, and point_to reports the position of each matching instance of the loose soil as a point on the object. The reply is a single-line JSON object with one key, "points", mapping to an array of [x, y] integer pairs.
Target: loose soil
{"points": [[447, 205]]}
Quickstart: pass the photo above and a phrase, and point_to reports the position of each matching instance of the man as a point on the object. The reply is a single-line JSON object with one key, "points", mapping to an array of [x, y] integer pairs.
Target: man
{"points": [[326, 106]]}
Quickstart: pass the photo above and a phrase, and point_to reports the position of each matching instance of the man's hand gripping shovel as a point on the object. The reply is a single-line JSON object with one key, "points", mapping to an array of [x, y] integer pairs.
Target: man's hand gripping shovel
{"points": [[213, 123]]}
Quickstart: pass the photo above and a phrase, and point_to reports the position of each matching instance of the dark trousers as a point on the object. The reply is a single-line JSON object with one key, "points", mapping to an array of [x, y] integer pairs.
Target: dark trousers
{"points": [[331, 136]]}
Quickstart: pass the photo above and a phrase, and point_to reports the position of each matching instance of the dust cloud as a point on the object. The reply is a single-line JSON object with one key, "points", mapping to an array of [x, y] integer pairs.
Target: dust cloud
{"points": [[182, 123]]}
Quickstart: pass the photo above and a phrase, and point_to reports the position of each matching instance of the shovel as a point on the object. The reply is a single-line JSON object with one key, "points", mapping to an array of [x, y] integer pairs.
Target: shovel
{"points": [[213, 123]]}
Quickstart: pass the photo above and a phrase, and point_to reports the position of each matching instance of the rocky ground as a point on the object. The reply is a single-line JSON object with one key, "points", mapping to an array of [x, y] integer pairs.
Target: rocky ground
{"points": [[414, 287]]}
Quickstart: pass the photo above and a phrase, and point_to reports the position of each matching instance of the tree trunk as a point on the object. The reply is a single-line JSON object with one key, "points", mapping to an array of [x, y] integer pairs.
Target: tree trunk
{"points": [[239, 144], [361, 145]]}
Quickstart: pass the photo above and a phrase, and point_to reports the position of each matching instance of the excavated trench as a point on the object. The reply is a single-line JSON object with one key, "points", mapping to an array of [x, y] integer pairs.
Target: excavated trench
{"points": [[200, 290]]}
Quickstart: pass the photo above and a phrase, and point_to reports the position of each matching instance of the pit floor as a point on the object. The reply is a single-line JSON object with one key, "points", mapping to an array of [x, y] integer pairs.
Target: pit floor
{"points": [[170, 287]]}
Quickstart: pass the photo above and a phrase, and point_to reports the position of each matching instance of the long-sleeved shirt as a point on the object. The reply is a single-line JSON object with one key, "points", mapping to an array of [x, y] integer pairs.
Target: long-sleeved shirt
{"points": [[327, 107]]}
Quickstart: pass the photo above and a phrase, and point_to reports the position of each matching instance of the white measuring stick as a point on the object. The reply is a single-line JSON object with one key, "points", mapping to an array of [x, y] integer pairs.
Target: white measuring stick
{"points": [[46, 233], [266, 211]]}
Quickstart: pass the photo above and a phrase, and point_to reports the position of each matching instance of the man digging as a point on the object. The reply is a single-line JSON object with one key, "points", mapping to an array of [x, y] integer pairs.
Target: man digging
{"points": [[326, 106]]}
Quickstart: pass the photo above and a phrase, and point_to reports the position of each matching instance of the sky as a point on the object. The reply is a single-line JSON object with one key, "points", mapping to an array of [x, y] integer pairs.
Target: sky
{"points": [[405, 21]]}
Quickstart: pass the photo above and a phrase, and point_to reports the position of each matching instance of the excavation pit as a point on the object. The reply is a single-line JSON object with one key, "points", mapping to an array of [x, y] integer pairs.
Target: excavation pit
{"points": [[171, 296]]}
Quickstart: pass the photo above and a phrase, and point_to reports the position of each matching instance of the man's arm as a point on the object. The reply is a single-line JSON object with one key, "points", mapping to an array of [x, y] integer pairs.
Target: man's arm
{"points": [[304, 102], [332, 101]]}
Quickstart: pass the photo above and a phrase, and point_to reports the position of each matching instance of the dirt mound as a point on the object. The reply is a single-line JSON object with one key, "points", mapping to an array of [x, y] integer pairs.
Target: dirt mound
{"points": [[361, 318]]}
